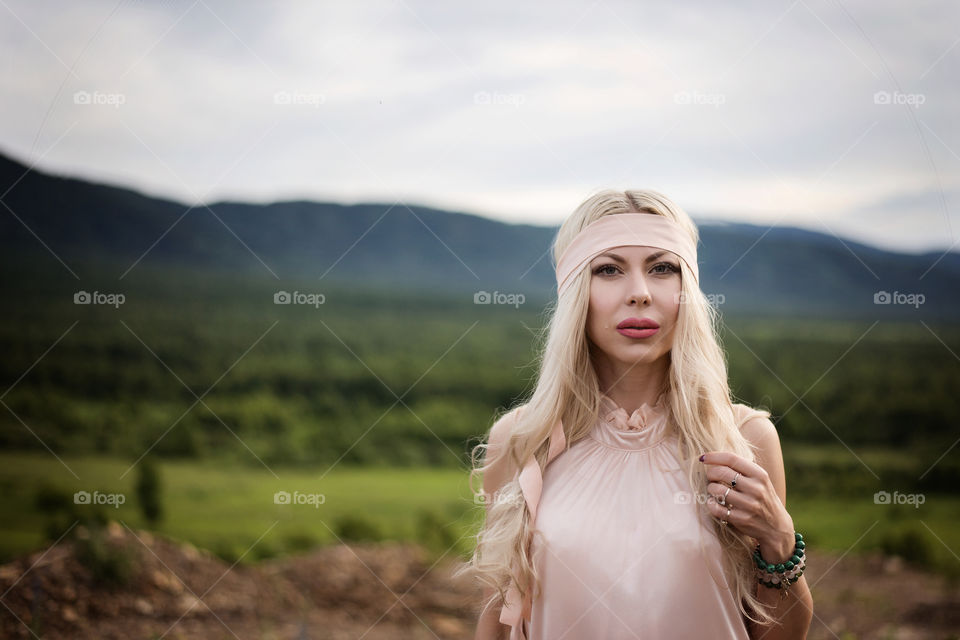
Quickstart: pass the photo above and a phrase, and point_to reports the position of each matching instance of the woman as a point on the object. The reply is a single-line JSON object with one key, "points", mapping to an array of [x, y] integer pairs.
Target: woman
{"points": [[593, 526]]}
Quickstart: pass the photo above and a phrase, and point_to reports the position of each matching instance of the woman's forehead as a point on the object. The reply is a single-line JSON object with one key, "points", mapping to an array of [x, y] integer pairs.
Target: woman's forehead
{"points": [[631, 254]]}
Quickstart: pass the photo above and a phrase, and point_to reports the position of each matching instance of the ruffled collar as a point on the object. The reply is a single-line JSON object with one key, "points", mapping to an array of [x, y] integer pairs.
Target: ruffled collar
{"points": [[640, 419]]}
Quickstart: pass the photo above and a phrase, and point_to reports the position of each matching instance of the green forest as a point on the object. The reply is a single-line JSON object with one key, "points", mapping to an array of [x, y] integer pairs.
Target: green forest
{"points": [[230, 394]]}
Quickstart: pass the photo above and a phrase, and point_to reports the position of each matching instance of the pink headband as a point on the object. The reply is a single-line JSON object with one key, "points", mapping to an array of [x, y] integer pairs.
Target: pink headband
{"points": [[622, 230]]}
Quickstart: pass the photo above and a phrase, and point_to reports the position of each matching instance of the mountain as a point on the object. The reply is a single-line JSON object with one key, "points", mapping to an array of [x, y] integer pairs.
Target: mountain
{"points": [[747, 268]]}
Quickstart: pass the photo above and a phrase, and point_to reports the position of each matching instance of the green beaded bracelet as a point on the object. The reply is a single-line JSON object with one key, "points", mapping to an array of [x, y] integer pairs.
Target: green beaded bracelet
{"points": [[795, 560], [781, 567]]}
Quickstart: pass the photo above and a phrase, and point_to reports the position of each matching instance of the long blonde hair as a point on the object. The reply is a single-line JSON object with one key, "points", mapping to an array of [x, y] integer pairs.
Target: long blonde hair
{"points": [[567, 389]]}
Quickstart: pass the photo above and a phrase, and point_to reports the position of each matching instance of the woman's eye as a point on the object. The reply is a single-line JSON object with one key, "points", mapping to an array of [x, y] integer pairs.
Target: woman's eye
{"points": [[606, 269], [668, 267]]}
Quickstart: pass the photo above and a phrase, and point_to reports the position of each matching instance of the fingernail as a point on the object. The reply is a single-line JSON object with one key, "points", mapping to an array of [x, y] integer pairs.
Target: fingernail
{"points": [[702, 457]]}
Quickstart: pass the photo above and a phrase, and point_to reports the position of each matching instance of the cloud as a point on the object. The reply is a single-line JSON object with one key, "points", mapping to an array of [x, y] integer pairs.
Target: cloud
{"points": [[754, 112]]}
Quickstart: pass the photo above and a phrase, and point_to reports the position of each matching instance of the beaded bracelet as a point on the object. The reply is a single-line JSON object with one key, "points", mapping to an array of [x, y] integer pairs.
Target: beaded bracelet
{"points": [[782, 574]]}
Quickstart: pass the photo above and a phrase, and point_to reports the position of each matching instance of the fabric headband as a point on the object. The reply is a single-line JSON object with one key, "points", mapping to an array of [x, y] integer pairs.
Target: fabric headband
{"points": [[622, 230]]}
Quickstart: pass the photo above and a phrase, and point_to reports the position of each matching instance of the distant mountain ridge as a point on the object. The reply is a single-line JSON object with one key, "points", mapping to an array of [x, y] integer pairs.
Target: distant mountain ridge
{"points": [[789, 271]]}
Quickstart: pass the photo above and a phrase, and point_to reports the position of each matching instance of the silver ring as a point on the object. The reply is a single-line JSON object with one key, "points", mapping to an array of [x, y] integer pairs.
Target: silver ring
{"points": [[734, 483], [723, 498]]}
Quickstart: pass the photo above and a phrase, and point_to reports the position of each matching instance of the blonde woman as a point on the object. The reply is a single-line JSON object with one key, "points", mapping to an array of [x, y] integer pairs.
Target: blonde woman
{"points": [[629, 497]]}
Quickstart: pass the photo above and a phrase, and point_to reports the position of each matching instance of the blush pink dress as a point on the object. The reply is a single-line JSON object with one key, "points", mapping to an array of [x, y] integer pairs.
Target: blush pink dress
{"points": [[623, 552]]}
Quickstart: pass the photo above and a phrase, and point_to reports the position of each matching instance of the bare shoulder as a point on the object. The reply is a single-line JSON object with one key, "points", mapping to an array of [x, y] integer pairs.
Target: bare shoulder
{"points": [[501, 429], [760, 431], [755, 425], [499, 468]]}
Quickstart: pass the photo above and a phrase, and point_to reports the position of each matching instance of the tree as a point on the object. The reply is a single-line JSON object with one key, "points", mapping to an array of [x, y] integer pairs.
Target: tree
{"points": [[149, 490]]}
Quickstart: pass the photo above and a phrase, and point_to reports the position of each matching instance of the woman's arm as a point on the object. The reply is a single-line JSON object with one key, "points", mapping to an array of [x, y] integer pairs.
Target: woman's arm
{"points": [[499, 473], [795, 612], [489, 626]]}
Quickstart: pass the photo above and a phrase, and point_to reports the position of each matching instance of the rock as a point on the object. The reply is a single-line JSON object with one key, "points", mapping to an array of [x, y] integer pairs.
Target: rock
{"points": [[893, 564], [190, 552], [143, 607], [163, 579], [190, 605], [115, 531]]}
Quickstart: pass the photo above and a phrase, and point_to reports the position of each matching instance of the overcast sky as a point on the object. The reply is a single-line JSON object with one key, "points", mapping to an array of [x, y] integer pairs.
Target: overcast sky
{"points": [[835, 117]]}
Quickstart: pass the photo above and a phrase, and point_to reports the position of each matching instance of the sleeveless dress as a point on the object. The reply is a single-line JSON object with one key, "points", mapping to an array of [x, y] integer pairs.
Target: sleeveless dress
{"points": [[620, 554]]}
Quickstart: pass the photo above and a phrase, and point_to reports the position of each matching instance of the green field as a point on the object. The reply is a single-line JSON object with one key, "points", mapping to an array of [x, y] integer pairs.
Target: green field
{"points": [[228, 508]]}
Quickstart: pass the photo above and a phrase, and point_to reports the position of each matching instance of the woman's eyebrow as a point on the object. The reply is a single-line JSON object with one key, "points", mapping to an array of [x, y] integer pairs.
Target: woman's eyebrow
{"points": [[617, 258]]}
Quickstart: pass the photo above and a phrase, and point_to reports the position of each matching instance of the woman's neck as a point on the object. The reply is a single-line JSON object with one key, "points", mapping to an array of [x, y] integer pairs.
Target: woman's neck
{"points": [[632, 385]]}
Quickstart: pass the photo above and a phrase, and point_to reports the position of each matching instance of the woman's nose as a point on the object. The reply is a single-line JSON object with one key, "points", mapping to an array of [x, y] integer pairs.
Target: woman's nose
{"points": [[639, 291]]}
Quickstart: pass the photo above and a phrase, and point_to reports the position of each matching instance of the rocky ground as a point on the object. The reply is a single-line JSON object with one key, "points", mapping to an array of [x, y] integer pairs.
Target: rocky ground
{"points": [[376, 592]]}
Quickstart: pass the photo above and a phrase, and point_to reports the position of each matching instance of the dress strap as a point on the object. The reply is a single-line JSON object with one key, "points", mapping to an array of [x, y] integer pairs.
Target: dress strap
{"points": [[531, 485]]}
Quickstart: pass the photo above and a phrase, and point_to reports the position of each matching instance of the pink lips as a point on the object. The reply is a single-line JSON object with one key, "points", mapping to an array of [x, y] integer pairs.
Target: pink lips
{"points": [[638, 323], [637, 327]]}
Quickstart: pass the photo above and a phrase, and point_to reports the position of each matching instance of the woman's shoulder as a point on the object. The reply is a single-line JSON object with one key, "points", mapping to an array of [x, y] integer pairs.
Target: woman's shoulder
{"points": [[744, 414], [499, 468], [503, 426], [756, 426], [761, 433]]}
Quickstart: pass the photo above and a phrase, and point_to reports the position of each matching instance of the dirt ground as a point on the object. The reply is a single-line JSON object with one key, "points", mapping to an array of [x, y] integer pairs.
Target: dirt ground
{"points": [[379, 592]]}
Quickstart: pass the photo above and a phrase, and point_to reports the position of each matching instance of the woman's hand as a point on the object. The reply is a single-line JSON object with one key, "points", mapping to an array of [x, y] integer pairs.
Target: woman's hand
{"points": [[754, 506]]}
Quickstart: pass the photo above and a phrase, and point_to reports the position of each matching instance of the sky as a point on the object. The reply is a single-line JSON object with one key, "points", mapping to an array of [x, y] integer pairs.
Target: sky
{"points": [[836, 117]]}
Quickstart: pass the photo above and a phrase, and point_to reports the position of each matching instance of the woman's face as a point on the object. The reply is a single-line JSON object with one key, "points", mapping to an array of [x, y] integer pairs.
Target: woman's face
{"points": [[629, 287]]}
